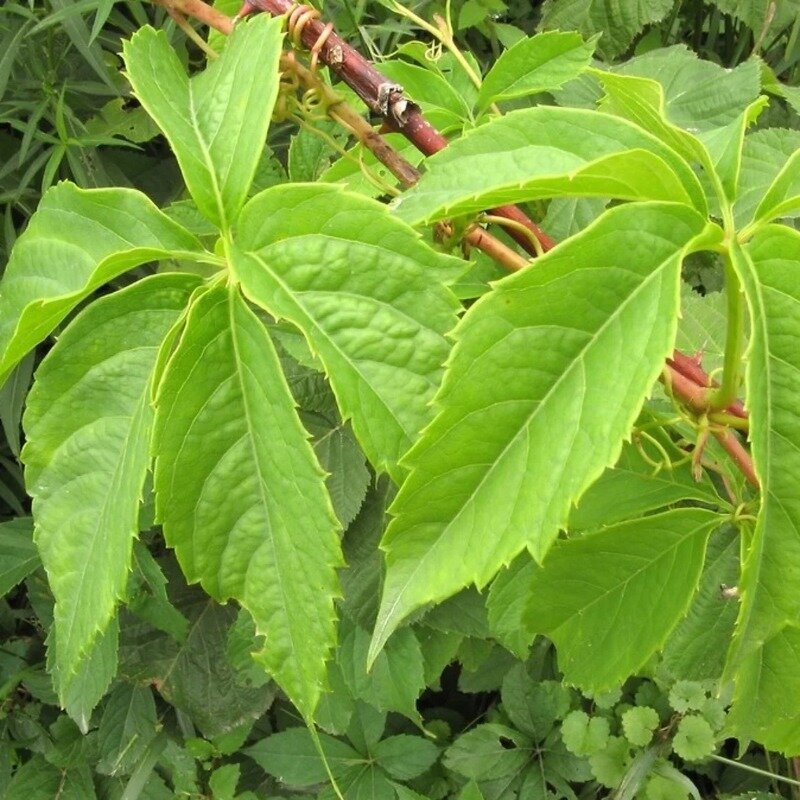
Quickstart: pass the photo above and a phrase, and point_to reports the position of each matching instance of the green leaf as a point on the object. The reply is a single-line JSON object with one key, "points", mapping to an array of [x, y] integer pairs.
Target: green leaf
{"points": [[619, 23], [488, 752], [701, 328], [767, 681], [310, 153], [686, 695], [548, 152], [584, 735], [216, 123], [405, 757], [75, 242], [782, 198], [223, 781], [240, 493], [82, 691], [639, 723], [18, 554], [396, 678], [696, 648], [128, 725], [490, 460], [699, 95], [534, 706], [641, 573], [198, 678], [764, 155], [429, 90], [771, 564], [88, 423], [694, 739], [610, 764], [292, 758], [634, 486], [368, 296], [12, 401], [536, 64]]}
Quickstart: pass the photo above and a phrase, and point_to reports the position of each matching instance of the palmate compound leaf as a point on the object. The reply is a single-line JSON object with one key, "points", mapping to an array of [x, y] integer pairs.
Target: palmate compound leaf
{"points": [[549, 152], [239, 492], [77, 240], [369, 297], [767, 634], [609, 599], [216, 123], [87, 424], [547, 377]]}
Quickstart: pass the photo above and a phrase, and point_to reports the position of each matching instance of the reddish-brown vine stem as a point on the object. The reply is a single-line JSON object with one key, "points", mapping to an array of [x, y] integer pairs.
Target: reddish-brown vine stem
{"points": [[686, 379]]}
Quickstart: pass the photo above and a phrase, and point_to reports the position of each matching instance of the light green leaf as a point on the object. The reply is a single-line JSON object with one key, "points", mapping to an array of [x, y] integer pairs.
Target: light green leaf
{"points": [[638, 723], [701, 328], [640, 573], [764, 155], [771, 568], [536, 64], [292, 758], [368, 296], [429, 90], [88, 423], [694, 739], [77, 240], [767, 683], [634, 486], [782, 198], [584, 735], [240, 493], [618, 22], [548, 152], [699, 95], [18, 554], [525, 427], [216, 123]]}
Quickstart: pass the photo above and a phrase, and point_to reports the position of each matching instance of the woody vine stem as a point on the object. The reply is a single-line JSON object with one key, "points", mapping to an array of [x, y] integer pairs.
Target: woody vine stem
{"points": [[683, 375]]}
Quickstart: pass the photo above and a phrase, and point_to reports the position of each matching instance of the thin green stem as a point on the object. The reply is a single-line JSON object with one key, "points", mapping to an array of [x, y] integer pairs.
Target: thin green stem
{"points": [[734, 340], [749, 768]]}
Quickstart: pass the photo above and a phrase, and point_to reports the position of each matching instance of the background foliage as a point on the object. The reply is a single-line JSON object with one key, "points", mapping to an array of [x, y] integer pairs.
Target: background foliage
{"points": [[168, 701]]}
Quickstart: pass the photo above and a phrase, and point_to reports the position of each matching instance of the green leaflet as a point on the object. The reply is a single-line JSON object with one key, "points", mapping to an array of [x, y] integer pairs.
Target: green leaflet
{"points": [[368, 296], [87, 424], [240, 494], [216, 122], [767, 687], [548, 375], [641, 574], [536, 64], [771, 568], [77, 240], [549, 152]]}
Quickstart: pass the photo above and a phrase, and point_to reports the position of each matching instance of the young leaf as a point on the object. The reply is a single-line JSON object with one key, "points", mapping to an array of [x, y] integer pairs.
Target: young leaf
{"points": [[88, 423], [536, 64], [368, 296], [694, 739], [76, 241], [239, 491], [639, 723], [640, 573], [548, 152], [216, 123], [525, 427]]}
